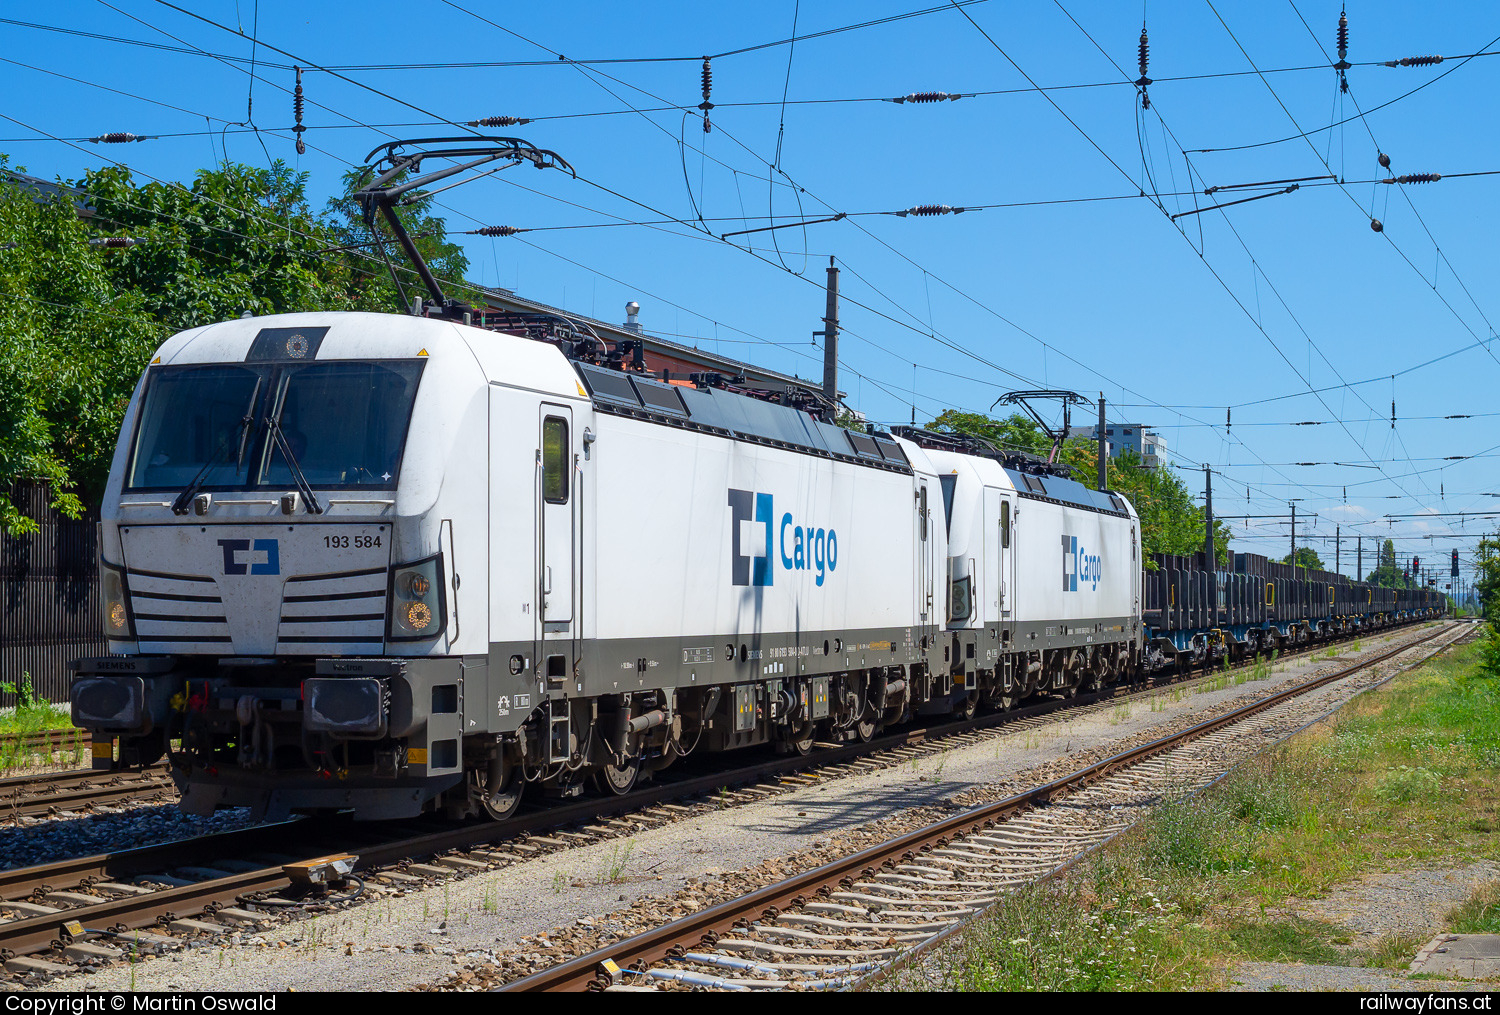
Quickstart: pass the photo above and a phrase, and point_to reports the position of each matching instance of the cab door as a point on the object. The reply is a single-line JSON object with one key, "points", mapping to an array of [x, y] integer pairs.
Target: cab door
{"points": [[924, 555], [1007, 555], [557, 501]]}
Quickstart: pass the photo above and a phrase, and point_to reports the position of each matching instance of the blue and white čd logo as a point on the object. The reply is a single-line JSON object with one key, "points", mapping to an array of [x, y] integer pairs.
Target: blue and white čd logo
{"points": [[750, 559], [241, 557]]}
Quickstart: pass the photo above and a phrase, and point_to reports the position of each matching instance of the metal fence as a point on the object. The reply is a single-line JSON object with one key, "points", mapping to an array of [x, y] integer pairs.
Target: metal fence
{"points": [[49, 597]]}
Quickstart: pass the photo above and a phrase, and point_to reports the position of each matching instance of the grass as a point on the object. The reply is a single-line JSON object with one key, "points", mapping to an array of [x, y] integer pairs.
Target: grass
{"points": [[1480, 914], [35, 719], [612, 868], [31, 713], [1403, 778]]}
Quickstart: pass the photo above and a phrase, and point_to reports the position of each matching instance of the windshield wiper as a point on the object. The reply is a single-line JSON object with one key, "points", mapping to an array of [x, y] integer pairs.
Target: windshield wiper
{"points": [[185, 498], [278, 437]]}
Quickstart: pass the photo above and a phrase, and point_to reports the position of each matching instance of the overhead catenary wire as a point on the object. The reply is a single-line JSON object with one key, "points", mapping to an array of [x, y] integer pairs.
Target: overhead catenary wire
{"points": [[1392, 242], [1254, 319]]}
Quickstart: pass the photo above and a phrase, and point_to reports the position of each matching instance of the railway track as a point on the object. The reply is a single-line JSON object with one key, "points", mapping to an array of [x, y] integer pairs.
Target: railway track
{"points": [[45, 742], [847, 920], [58, 794], [151, 898]]}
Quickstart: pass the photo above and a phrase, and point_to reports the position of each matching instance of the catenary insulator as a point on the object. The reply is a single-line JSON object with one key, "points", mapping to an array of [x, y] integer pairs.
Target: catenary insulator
{"points": [[708, 88], [1145, 60], [929, 97], [498, 231], [499, 121], [298, 126], [113, 241], [1376, 225], [931, 209], [119, 137], [1414, 61], [1420, 178], [1343, 65], [1385, 161]]}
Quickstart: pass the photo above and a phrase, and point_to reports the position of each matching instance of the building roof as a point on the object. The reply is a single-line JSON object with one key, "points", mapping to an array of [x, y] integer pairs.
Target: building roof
{"points": [[46, 190], [661, 353]]}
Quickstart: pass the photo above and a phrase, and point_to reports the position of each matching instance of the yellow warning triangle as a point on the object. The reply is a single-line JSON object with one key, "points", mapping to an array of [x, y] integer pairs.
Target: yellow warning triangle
{"points": [[156, 361], [422, 353]]}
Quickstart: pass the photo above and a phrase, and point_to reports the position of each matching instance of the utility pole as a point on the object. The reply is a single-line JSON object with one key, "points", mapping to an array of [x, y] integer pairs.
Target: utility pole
{"points": [[830, 335], [1336, 546], [1359, 568], [1209, 559], [1103, 448], [1292, 558]]}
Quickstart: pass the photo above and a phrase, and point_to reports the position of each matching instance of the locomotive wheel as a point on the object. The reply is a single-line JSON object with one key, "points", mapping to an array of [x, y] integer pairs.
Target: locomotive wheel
{"points": [[1001, 702], [864, 730], [967, 706], [618, 780], [801, 748], [499, 804]]}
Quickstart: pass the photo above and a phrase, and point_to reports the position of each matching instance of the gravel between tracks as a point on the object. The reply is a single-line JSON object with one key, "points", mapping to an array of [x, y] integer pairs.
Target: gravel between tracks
{"points": [[482, 929], [46, 840]]}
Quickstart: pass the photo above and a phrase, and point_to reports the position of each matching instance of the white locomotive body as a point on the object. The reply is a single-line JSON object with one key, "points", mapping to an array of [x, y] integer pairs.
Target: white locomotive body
{"points": [[388, 564], [1046, 573]]}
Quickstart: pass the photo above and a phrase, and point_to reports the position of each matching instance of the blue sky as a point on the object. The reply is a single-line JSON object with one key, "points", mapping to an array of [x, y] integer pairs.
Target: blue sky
{"points": [[1060, 275]]}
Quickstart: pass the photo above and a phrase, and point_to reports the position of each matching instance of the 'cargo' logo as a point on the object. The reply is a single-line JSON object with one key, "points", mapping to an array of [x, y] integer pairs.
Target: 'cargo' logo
{"points": [[754, 534], [1079, 567], [241, 558]]}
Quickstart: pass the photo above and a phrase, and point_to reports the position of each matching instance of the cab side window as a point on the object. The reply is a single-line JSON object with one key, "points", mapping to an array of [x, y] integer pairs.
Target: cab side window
{"points": [[555, 460]]}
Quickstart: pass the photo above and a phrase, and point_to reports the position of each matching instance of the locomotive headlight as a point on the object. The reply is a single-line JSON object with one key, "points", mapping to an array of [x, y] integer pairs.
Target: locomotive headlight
{"points": [[413, 585], [114, 602], [417, 606], [418, 616]]}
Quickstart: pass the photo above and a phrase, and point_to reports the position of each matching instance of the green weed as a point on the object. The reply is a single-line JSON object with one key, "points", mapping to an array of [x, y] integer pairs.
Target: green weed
{"points": [[612, 872]]}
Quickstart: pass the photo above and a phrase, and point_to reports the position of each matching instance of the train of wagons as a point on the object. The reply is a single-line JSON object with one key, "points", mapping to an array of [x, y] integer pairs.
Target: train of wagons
{"points": [[389, 565]]}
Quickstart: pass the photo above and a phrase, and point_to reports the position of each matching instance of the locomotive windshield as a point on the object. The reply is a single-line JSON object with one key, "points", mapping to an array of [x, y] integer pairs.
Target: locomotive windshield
{"points": [[345, 424]]}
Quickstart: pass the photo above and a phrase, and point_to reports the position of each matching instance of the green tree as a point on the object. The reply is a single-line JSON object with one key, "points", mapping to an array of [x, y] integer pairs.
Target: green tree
{"points": [[239, 240], [72, 344], [850, 420], [1487, 575], [1306, 558], [1170, 521], [359, 247], [80, 321], [1386, 574], [1014, 433]]}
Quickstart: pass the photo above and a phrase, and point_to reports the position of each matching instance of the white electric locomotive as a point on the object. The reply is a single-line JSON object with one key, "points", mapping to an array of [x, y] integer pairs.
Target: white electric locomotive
{"points": [[390, 564]]}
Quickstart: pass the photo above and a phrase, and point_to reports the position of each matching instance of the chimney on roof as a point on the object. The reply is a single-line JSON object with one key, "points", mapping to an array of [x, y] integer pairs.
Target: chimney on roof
{"points": [[632, 312]]}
